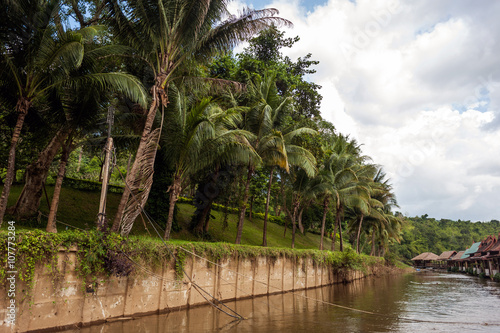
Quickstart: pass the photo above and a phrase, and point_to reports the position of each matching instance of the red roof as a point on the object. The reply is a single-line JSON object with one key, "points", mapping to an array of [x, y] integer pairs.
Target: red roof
{"points": [[495, 247], [487, 244]]}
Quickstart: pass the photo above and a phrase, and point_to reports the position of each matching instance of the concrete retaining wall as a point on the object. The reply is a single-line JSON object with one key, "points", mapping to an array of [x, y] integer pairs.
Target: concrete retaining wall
{"points": [[68, 303]]}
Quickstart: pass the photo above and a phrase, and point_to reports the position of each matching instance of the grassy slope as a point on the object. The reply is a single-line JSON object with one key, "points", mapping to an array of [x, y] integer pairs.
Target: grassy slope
{"points": [[79, 209]]}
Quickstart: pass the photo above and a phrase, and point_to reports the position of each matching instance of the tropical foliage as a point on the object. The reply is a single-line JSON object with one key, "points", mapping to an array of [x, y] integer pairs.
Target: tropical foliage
{"points": [[190, 120]]}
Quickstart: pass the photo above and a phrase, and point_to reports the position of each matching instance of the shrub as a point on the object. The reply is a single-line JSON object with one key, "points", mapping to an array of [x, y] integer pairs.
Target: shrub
{"points": [[89, 185], [496, 277]]}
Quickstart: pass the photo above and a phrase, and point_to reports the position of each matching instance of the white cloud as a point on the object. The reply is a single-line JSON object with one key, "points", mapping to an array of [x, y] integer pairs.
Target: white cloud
{"points": [[419, 84]]}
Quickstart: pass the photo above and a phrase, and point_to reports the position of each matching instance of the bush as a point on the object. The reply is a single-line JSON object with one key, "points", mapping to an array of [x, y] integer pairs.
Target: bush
{"points": [[232, 210], [482, 275], [496, 277], [89, 185]]}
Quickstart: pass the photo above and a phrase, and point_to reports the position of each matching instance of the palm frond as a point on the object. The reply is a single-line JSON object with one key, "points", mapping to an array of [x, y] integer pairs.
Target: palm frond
{"points": [[141, 186]]}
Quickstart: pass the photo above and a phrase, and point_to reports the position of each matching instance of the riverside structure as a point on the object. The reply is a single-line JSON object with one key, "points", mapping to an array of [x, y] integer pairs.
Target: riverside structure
{"points": [[481, 258]]}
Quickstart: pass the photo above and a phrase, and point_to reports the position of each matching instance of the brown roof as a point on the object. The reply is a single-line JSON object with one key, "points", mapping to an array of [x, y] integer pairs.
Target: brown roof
{"points": [[496, 246], [446, 255], [458, 255], [426, 256], [486, 244]]}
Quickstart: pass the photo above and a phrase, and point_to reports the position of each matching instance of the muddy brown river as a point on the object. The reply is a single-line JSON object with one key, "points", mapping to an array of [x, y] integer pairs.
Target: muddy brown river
{"points": [[415, 302]]}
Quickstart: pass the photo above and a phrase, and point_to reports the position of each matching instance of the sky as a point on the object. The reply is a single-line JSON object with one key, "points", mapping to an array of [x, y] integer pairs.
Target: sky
{"points": [[418, 84]]}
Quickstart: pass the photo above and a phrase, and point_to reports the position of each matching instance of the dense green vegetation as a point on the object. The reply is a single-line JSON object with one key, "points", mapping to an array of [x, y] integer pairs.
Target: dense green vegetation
{"points": [[426, 234], [238, 135], [87, 202], [105, 254]]}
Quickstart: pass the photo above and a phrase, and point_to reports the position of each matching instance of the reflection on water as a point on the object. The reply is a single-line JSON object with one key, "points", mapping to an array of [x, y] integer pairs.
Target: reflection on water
{"points": [[441, 302]]}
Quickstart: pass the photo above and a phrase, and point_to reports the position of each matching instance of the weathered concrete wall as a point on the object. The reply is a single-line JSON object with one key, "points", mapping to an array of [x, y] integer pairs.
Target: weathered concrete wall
{"points": [[67, 302]]}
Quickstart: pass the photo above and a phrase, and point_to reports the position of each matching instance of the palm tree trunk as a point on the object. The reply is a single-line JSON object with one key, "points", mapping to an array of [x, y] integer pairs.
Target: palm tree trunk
{"points": [[286, 226], [22, 107], [132, 175], [80, 155], [200, 224], [207, 223], [294, 216], [266, 212], [340, 228], [36, 173], [372, 253], [252, 198], [359, 232], [282, 192], [175, 190], [323, 221], [243, 206], [51, 223], [301, 227], [334, 238]]}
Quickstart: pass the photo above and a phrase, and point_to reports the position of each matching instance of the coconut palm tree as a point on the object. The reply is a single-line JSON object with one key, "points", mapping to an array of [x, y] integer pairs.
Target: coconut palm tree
{"points": [[84, 88], [342, 181], [167, 34], [267, 120], [381, 223], [368, 206], [36, 59], [302, 182], [198, 136], [373, 214]]}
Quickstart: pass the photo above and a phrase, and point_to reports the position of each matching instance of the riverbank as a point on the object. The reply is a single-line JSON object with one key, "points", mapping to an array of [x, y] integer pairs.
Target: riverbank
{"points": [[59, 284]]}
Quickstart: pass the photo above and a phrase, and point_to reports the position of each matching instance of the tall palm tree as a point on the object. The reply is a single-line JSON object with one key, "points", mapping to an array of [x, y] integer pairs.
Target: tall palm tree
{"points": [[366, 206], [37, 58], [343, 182], [167, 34], [81, 91], [198, 136], [302, 183], [382, 224], [267, 119]]}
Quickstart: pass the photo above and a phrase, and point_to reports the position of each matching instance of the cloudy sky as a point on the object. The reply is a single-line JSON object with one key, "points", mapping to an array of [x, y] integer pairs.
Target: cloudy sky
{"points": [[418, 83]]}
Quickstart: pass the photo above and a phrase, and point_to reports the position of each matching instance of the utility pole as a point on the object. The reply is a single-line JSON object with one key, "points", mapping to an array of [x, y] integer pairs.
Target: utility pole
{"points": [[101, 217]]}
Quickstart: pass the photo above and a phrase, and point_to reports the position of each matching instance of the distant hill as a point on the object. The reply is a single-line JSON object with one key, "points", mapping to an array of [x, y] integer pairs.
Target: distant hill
{"points": [[425, 234]]}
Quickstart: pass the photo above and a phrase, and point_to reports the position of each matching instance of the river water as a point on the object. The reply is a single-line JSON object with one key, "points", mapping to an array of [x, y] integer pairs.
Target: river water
{"points": [[415, 302]]}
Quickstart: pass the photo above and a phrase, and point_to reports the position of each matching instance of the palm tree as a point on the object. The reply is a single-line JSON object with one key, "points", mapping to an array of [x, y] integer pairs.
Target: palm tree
{"points": [[267, 120], [342, 181], [302, 182], [373, 214], [35, 60], [366, 206], [80, 91], [382, 223], [167, 34], [321, 188], [198, 136], [273, 141], [27, 53]]}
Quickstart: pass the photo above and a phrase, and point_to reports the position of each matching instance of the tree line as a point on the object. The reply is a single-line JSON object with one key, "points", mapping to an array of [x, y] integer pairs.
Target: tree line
{"points": [[426, 234], [191, 118]]}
